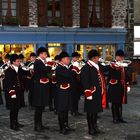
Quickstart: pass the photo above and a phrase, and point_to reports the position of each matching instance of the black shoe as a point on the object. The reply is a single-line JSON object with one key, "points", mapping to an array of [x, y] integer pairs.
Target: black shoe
{"points": [[45, 127], [38, 129], [115, 121], [69, 128], [99, 131], [64, 132], [20, 125], [15, 127], [92, 132], [122, 121]]}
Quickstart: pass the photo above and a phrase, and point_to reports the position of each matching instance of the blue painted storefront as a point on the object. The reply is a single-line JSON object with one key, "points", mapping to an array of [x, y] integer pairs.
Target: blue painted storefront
{"points": [[68, 36]]}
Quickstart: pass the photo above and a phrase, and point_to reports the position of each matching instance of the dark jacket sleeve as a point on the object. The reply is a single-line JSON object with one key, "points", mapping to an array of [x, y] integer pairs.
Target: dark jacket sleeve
{"points": [[85, 77]]}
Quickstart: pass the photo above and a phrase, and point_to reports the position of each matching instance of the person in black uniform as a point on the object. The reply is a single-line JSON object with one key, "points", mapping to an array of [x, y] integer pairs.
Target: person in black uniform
{"points": [[29, 79], [41, 87], [53, 94], [118, 80], [92, 81], [64, 82], [14, 91], [76, 86]]}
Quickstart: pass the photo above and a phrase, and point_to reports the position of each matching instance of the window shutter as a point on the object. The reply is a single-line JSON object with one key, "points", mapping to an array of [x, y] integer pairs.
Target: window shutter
{"points": [[24, 12], [68, 13], [42, 12], [108, 13], [17, 10], [0, 11], [84, 13]]}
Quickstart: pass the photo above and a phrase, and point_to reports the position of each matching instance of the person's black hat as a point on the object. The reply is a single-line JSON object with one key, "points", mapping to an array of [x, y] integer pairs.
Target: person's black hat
{"points": [[57, 57], [75, 54], [13, 58], [7, 56], [93, 53], [41, 50], [21, 56], [63, 54], [32, 54], [119, 53]]}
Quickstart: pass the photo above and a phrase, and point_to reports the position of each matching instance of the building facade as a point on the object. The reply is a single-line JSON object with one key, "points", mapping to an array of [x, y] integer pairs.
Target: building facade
{"points": [[71, 25]]}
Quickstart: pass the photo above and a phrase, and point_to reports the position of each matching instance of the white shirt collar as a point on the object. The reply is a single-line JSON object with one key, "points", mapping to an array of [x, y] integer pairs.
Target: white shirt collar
{"points": [[41, 59], [94, 64], [16, 68], [62, 64]]}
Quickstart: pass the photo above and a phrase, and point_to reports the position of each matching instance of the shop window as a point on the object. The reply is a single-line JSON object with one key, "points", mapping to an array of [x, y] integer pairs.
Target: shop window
{"points": [[25, 49], [110, 52], [100, 49], [55, 49], [28, 49], [54, 14], [80, 49], [9, 12]]}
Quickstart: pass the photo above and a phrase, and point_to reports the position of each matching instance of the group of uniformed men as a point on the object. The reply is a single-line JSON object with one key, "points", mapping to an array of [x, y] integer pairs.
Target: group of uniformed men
{"points": [[61, 83]]}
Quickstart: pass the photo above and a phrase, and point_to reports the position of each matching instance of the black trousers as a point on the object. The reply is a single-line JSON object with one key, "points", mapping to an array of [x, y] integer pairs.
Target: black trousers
{"points": [[14, 116], [38, 115], [75, 102], [92, 121], [63, 119], [117, 111]]}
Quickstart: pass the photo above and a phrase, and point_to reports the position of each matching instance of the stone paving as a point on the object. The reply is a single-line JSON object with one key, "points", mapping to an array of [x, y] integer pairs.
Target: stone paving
{"points": [[129, 131]]}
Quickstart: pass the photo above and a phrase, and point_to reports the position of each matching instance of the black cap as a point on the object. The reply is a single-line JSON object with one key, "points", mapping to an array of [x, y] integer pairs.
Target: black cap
{"points": [[41, 50], [21, 56], [63, 54], [119, 53], [7, 56], [32, 54], [75, 54], [93, 53], [57, 57], [13, 58]]}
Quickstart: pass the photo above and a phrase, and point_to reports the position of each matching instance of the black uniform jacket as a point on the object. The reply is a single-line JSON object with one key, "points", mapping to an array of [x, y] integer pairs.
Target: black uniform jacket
{"points": [[41, 83], [14, 86], [91, 82], [64, 82]]}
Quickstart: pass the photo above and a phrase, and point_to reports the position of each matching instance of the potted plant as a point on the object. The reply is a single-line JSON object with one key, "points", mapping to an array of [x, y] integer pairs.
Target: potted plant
{"points": [[10, 21], [57, 22]]}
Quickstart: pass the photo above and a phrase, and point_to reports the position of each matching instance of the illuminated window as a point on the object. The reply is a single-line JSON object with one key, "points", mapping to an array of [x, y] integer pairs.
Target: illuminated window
{"points": [[55, 49]]}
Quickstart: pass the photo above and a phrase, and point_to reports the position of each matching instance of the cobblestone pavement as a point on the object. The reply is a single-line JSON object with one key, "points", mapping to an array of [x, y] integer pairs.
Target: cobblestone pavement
{"points": [[129, 131]]}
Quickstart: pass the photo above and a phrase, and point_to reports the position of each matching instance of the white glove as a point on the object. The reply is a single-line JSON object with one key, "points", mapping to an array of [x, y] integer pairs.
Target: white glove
{"points": [[128, 89], [89, 98], [13, 96], [76, 64], [48, 59]]}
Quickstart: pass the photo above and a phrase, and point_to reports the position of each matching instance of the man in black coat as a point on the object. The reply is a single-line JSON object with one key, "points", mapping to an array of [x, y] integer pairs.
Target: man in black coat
{"points": [[29, 79], [64, 82], [41, 87], [117, 92], [93, 84], [76, 86], [14, 91]]}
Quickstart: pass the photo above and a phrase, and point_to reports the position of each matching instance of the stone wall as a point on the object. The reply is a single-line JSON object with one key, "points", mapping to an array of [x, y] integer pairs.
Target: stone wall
{"points": [[119, 13], [137, 11], [130, 29], [76, 12], [33, 12]]}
